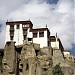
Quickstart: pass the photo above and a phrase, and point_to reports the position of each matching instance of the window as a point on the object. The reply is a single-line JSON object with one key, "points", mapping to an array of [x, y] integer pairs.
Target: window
{"points": [[27, 25], [17, 27], [34, 35], [41, 34], [24, 37], [11, 33], [29, 39], [24, 26], [11, 27], [24, 31], [11, 37]]}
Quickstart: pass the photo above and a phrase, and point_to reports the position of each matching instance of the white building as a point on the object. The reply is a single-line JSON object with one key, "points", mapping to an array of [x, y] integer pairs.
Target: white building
{"points": [[18, 30], [56, 43], [41, 36], [66, 52], [68, 56]]}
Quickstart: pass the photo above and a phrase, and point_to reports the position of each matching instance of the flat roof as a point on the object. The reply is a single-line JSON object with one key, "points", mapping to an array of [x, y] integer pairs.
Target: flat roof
{"points": [[18, 22], [66, 50], [40, 29]]}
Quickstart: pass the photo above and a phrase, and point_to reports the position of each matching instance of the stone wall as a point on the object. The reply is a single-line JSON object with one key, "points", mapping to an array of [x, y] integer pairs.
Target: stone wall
{"points": [[57, 57], [67, 66]]}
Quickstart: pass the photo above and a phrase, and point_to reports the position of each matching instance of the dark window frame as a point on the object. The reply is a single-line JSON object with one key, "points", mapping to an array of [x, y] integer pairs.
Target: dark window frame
{"points": [[24, 37], [18, 26], [24, 31], [11, 37], [35, 35], [11, 27], [41, 34], [25, 26], [11, 33], [29, 39]]}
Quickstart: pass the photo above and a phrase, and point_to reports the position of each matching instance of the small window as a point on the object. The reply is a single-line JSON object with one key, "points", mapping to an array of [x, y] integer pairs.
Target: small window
{"points": [[11, 33], [41, 34], [17, 26], [11, 37], [34, 35], [11, 27], [27, 25], [24, 25], [24, 32], [29, 39], [24, 37]]}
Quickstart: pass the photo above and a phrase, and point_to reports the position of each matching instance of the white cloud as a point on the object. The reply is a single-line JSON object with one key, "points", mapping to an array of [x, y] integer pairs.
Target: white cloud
{"points": [[58, 17], [2, 38], [65, 6]]}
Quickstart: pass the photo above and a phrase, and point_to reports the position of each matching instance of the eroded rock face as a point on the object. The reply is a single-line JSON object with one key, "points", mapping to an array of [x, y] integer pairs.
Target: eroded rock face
{"points": [[35, 62], [29, 59], [9, 59]]}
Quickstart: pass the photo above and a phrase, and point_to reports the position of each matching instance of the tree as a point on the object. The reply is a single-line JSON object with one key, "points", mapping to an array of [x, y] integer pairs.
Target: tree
{"points": [[57, 70]]}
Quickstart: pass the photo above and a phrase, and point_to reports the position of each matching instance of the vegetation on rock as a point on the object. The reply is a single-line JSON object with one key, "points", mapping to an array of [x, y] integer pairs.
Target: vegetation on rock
{"points": [[57, 70]]}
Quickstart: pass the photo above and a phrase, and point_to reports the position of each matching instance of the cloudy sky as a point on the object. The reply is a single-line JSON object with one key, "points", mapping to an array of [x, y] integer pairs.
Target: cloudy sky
{"points": [[57, 14]]}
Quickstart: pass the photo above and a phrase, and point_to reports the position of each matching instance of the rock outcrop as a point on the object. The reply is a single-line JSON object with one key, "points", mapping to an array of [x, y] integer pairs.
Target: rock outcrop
{"points": [[30, 59]]}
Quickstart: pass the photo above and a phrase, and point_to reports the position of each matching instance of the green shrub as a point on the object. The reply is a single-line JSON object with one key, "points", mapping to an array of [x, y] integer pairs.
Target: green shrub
{"points": [[57, 70]]}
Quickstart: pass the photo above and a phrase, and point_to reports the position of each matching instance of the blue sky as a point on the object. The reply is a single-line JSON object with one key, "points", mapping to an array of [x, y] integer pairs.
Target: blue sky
{"points": [[57, 14], [52, 1], [73, 49]]}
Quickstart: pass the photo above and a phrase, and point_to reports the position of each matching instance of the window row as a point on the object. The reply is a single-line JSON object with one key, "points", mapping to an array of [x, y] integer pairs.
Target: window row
{"points": [[12, 27], [41, 34], [18, 26]]}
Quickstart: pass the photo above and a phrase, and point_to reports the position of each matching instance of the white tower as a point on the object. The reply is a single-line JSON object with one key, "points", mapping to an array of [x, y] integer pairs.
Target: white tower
{"points": [[17, 31]]}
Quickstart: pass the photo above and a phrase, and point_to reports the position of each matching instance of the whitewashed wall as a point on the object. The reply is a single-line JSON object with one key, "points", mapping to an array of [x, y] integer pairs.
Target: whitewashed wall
{"points": [[66, 53], [29, 34], [7, 37], [18, 35], [41, 40], [55, 44]]}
